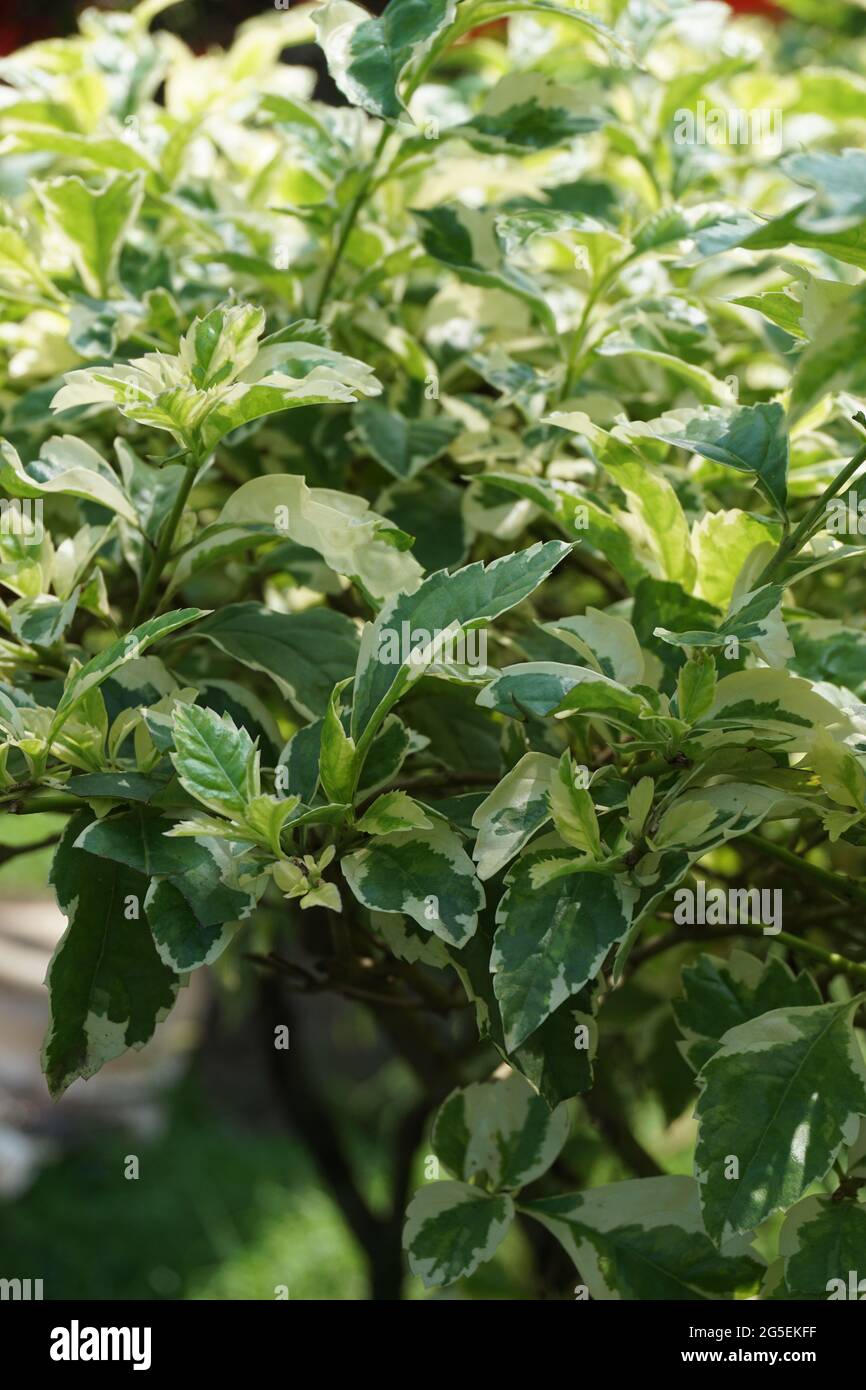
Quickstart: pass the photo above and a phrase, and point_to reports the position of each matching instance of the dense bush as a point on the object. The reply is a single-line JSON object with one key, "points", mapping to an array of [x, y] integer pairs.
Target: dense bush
{"points": [[432, 549]]}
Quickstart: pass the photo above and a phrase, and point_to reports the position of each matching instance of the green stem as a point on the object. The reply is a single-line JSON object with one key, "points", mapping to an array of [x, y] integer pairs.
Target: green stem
{"points": [[8, 852], [796, 943], [848, 889], [578, 337], [37, 802], [164, 544], [349, 221], [794, 542], [656, 946], [445, 39]]}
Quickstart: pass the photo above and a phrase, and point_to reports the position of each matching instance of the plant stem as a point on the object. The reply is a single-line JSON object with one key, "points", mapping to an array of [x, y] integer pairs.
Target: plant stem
{"points": [[794, 542], [349, 221], [8, 852], [671, 940], [37, 802], [445, 39], [843, 963], [166, 537], [848, 889]]}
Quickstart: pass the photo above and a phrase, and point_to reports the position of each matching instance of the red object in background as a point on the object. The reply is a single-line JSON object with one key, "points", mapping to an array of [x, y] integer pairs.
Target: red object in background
{"points": [[16, 34], [764, 7], [12, 36]]}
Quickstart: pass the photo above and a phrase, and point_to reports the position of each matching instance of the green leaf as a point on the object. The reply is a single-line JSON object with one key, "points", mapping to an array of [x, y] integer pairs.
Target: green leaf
{"points": [[805, 1077], [202, 393], [721, 994], [755, 618], [605, 641], [192, 916], [551, 941], [425, 874], [573, 810], [499, 1133], [18, 264], [403, 446], [306, 653], [751, 439], [42, 620], [466, 240], [116, 786], [108, 987], [394, 811], [822, 1242], [545, 687], [529, 111], [645, 1240], [67, 467], [696, 685], [367, 58], [221, 345], [350, 537], [512, 813], [722, 543], [833, 360], [128, 648], [215, 761], [431, 509], [93, 223], [442, 604], [579, 516], [557, 1058], [298, 767], [338, 756], [772, 707], [652, 500], [137, 839], [451, 1229]]}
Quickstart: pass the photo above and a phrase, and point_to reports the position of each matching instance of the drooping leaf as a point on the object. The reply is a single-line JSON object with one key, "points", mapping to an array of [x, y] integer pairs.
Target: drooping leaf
{"points": [[499, 1134], [645, 1240], [108, 987], [805, 1076], [403, 446], [822, 1243], [452, 1228], [751, 439]]}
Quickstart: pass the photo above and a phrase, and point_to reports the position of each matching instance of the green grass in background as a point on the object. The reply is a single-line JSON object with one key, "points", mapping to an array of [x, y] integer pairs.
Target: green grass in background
{"points": [[215, 1213], [27, 874]]}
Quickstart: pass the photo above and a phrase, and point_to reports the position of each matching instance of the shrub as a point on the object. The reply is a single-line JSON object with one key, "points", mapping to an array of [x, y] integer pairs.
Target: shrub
{"points": [[433, 532]]}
